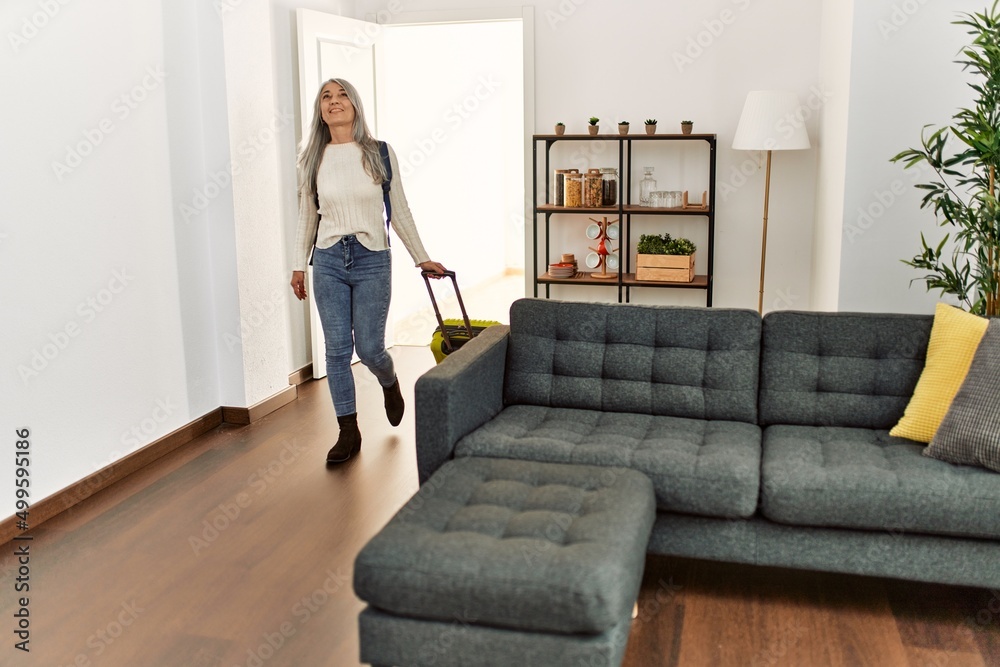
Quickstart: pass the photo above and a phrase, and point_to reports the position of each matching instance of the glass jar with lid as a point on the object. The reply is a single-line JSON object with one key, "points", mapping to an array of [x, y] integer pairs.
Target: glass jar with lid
{"points": [[559, 185], [573, 189], [592, 185], [609, 186], [646, 186]]}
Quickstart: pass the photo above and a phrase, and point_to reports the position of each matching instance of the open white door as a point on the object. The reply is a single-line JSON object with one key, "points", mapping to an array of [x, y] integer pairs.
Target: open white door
{"points": [[334, 46]]}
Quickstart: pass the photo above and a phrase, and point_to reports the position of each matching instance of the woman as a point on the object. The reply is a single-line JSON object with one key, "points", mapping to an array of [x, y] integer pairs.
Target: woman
{"points": [[341, 223]]}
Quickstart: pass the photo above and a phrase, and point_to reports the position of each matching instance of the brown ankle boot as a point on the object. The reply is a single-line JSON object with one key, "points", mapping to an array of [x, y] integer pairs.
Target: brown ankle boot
{"points": [[394, 405], [348, 442]]}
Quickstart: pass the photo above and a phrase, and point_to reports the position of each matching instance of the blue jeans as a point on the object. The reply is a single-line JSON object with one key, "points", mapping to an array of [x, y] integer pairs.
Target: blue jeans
{"points": [[352, 286]]}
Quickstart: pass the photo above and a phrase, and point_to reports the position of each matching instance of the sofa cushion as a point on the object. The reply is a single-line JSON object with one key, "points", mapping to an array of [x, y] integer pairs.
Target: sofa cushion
{"points": [[840, 369], [970, 431], [954, 337], [700, 467], [700, 363], [540, 547], [865, 478]]}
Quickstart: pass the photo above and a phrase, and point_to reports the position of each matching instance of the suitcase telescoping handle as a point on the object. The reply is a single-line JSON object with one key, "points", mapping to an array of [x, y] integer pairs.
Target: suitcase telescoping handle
{"points": [[437, 312]]}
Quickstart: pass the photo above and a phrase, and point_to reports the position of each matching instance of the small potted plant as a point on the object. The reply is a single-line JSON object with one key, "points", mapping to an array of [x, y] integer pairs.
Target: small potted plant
{"points": [[593, 127], [560, 128], [686, 126], [650, 126], [664, 259], [623, 127]]}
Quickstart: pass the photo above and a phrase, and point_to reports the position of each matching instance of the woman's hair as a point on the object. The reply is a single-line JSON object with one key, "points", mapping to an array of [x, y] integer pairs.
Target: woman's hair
{"points": [[319, 137]]}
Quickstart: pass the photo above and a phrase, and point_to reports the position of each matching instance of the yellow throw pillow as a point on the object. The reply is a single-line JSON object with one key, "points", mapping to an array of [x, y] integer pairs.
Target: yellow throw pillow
{"points": [[955, 335]]}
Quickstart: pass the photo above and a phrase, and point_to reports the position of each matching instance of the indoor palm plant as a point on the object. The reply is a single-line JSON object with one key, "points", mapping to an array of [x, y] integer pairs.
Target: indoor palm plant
{"points": [[963, 190]]}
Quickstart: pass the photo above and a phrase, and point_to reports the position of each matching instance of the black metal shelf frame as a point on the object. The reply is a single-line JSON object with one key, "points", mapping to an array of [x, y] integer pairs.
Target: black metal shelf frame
{"points": [[624, 209]]}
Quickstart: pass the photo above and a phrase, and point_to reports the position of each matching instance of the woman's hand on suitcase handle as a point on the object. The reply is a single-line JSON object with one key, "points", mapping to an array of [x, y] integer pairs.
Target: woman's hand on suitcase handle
{"points": [[433, 269], [299, 284]]}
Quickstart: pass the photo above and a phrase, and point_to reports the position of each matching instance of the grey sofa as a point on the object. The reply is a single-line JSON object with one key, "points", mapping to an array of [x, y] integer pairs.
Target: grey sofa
{"points": [[766, 440]]}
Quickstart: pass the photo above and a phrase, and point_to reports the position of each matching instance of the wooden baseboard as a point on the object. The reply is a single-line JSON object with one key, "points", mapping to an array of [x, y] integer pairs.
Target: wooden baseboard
{"points": [[62, 500], [114, 472], [262, 409], [304, 374]]}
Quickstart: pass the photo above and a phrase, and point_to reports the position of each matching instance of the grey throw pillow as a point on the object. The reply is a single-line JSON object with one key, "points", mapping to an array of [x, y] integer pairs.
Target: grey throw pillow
{"points": [[970, 431]]}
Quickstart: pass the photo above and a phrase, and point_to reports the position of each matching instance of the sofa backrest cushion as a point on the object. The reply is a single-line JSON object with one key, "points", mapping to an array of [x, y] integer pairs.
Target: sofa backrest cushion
{"points": [[840, 369], [681, 362]]}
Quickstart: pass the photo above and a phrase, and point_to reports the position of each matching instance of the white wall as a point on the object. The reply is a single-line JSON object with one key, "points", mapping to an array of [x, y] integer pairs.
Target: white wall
{"points": [[831, 147], [112, 296], [143, 256], [902, 78], [625, 60]]}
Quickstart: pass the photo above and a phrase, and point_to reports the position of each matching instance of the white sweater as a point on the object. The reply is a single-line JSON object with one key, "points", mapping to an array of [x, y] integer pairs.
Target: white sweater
{"points": [[350, 203]]}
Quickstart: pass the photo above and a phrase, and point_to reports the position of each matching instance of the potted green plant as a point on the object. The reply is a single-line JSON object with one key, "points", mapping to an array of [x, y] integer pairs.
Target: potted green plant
{"points": [[650, 126], [593, 127], [623, 127], [560, 128], [686, 126], [963, 193], [662, 258]]}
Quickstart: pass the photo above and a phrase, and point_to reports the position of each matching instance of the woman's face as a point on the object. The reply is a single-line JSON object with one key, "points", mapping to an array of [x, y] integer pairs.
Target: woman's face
{"points": [[337, 109]]}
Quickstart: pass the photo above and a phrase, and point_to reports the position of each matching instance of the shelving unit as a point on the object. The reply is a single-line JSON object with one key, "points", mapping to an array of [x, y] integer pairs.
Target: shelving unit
{"points": [[625, 210]]}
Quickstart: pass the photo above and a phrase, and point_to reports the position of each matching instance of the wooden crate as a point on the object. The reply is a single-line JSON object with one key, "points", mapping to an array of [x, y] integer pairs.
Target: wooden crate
{"points": [[665, 268]]}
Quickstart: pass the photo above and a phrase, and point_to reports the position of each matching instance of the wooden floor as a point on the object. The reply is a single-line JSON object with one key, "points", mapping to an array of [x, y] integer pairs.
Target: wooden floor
{"points": [[238, 551]]}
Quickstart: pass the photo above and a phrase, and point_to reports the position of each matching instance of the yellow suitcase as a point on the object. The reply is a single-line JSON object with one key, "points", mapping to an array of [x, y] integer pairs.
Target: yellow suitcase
{"points": [[451, 335]]}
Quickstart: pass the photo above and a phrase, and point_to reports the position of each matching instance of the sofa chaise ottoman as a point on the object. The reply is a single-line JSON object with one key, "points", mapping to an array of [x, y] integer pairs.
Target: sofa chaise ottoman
{"points": [[507, 563]]}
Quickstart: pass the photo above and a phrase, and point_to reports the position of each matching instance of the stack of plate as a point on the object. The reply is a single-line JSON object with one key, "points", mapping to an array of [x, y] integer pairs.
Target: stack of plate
{"points": [[562, 270]]}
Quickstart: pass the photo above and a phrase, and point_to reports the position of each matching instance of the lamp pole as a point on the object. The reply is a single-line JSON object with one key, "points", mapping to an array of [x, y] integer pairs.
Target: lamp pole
{"points": [[763, 240]]}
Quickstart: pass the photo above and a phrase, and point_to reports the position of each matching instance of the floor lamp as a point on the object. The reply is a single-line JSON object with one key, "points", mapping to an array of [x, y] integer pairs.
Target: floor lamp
{"points": [[771, 121]]}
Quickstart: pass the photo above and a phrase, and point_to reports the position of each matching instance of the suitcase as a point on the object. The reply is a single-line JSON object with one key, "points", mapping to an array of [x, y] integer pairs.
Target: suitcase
{"points": [[451, 335]]}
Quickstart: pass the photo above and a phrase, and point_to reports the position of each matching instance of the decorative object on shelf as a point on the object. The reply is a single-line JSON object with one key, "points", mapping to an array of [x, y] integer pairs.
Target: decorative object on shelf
{"points": [[650, 126], [688, 206], [646, 186], [560, 128], [592, 126], [609, 186], [559, 185], [623, 127], [963, 194], [762, 112], [686, 126], [573, 195], [601, 256], [666, 199], [563, 269], [664, 259], [593, 195]]}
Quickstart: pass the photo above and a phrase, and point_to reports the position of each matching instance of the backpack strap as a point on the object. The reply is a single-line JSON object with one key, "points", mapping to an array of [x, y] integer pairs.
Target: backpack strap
{"points": [[383, 150]]}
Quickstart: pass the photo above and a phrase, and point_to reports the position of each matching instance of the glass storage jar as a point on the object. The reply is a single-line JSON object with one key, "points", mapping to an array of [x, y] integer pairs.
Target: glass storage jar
{"points": [[609, 186], [559, 185], [592, 185], [646, 186], [573, 194]]}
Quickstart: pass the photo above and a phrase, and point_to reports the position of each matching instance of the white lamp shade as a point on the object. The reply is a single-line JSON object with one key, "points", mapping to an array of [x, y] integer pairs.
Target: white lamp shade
{"points": [[772, 120]]}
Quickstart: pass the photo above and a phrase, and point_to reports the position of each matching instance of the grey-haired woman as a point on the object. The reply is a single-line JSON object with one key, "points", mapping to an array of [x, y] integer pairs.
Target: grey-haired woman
{"points": [[341, 224]]}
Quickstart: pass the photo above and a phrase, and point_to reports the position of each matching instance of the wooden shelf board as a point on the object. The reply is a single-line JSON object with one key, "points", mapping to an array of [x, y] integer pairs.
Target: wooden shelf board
{"points": [[581, 278], [657, 210], [640, 136], [552, 208], [699, 282]]}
